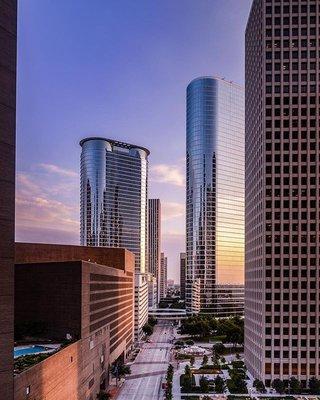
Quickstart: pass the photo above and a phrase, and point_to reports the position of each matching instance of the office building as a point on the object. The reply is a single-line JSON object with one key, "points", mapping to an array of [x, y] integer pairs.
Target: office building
{"points": [[229, 301], [215, 189], [114, 178], [182, 275], [163, 276], [154, 240], [8, 43], [83, 298], [152, 291], [282, 190]]}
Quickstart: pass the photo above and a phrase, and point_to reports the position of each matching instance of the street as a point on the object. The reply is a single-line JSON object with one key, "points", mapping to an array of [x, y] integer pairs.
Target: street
{"points": [[150, 366]]}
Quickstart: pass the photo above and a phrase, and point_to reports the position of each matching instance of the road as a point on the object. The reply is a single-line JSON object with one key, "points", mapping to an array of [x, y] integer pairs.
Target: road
{"points": [[149, 367]]}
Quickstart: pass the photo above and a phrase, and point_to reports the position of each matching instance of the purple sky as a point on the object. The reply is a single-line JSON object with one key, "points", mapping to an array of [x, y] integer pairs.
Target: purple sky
{"points": [[114, 68]]}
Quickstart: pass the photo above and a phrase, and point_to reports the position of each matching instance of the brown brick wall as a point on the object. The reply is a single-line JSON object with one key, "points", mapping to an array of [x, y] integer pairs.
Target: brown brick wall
{"points": [[108, 299], [57, 377], [8, 27], [65, 296], [73, 373], [112, 257], [50, 293]]}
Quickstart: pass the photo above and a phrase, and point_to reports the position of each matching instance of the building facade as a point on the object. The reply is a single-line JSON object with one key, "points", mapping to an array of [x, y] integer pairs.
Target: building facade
{"points": [[114, 183], [229, 301], [215, 189], [89, 302], [182, 275], [152, 291], [154, 240], [8, 43], [282, 190], [163, 276]]}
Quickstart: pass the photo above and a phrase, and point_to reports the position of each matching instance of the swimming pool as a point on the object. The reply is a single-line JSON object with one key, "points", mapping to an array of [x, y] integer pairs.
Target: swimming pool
{"points": [[36, 349]]}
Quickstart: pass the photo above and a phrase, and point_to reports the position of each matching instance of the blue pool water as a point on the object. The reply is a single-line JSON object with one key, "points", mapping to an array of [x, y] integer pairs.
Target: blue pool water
{"points": [[29, 350]]}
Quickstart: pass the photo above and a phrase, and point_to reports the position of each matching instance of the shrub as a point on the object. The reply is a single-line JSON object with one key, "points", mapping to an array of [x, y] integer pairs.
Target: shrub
{"points": [[204, 384], [147, 329]]}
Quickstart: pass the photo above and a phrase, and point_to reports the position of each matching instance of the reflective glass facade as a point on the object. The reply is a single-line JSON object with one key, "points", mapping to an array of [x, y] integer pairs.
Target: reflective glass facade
{"points": [[114, 196], [215, 186]]}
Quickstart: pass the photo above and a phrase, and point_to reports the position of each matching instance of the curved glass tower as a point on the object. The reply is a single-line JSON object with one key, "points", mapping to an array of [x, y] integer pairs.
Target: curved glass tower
{"points": [[114, 196], [114, 182], [215, 189]]}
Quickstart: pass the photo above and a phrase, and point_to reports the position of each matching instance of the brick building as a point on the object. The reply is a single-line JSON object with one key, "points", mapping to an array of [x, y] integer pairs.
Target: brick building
{"points": [[8, 42], [83, 293]]}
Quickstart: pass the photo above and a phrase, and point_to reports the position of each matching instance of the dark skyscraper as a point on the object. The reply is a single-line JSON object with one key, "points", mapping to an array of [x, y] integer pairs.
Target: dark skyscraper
{"points": [[282, 304], [8, 41], [154, 241], [215, 189]]}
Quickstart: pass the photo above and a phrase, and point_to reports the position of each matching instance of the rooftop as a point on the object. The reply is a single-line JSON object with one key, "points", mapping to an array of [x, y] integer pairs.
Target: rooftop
{"points": [[115, 143]]}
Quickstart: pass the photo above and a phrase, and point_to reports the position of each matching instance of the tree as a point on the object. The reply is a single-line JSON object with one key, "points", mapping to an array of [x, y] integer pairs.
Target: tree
{"points": [[294, 386], [278, 385], [168, 392], [187, 370], [119, 370], [237, 384], [205, 360], [170, 373], [218, 349], [186, 380], [192, 361], [204, 384], [152, 321], [259, 385], [147, 329], [103, 396], [219, 384], [314, 385], [206, 398]]}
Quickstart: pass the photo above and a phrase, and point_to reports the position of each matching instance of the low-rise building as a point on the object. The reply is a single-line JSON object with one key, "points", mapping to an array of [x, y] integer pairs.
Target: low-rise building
{"points": [[84, 299]]}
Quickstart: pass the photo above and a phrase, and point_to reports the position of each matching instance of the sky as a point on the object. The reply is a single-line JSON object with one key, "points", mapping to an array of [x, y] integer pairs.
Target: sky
{"points": [[118, 69]]}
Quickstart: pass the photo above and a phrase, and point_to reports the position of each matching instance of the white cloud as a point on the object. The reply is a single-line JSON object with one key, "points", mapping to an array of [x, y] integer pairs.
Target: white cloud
{"points": [[51, 168], [164, 173], [47, 201], [172, 210]]}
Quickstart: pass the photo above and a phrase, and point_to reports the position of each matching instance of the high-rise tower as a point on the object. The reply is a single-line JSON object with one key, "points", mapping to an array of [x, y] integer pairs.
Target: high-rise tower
{"points": [[114, 181], [154, 240], [215, 189], [282, 304], [163, 276], [182, 275]]}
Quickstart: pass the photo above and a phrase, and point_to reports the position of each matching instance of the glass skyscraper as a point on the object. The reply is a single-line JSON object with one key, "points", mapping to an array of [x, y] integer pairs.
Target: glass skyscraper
{"points": [[114, 196], [114, 182], [215, 189]]}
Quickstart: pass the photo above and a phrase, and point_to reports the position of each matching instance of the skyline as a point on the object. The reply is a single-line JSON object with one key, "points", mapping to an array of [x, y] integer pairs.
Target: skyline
{"points": [[85, 97]]}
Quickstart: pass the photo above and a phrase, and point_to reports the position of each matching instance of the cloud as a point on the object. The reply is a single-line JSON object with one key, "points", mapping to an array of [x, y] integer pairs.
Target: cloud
{"points": [[51, 168], [171, 210], [47, 204], [164, 173]]}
